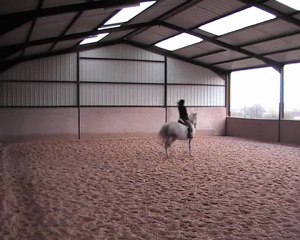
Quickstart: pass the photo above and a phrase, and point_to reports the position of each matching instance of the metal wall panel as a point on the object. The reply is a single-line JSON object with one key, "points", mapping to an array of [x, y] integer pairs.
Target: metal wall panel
{"points": [[202, 96], [181, 72], [121, 71], [120, 64], [95, 94], [28, 94], [57, 68], [121, 51]]}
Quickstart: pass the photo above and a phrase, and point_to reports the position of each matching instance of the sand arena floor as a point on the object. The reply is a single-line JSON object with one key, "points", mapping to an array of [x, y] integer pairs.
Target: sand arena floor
{"points": [[125, 188]]}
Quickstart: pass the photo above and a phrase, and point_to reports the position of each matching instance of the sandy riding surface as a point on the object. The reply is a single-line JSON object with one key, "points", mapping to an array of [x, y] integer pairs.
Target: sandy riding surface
{"points": [[126, 189]]}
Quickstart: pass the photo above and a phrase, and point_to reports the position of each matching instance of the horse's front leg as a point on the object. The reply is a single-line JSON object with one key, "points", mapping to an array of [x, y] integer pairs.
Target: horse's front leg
{"points": [[167, 145], [190, 140], [166, 148]]}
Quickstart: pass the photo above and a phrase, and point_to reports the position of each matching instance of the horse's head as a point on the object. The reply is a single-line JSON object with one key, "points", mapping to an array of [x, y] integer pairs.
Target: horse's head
{"points": [[193, 119]]}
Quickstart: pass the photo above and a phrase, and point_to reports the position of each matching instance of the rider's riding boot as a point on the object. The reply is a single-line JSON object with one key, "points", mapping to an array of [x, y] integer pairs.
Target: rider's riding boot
{"points": [[190, 135]]}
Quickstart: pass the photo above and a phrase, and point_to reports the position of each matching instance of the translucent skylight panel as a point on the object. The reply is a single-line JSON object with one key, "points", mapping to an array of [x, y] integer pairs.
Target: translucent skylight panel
{"points": [[109, 27], [295, 4], [236, 21], [93, 39], [126, 14], [178, 41]]}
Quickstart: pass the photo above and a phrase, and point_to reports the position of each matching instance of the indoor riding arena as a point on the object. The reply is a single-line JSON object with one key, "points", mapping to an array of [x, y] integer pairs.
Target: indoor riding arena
{"points": [[86, 88]]}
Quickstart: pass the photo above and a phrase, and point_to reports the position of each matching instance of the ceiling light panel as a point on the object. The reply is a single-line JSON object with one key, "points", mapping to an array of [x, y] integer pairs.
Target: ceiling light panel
{"points": [[178, 41], [126, 14], [93, 39], [109, 27], [239, 20], [295, 4]]}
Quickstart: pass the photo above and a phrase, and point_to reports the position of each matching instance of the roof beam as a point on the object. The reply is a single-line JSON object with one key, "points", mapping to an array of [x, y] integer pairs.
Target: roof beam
{"points": [[10, 49], [39, 6], [278, 14], [268, 61], [13, 20], [66, 29], [75, 18]]}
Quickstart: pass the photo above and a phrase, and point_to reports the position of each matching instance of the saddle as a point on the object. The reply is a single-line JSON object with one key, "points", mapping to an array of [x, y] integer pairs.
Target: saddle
{"points": [[189, 134]]}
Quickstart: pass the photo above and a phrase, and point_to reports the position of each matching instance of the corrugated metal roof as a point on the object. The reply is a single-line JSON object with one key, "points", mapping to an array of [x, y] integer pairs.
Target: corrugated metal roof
{"points": [[65, 44], [46, 27], [287, 56], [204, 12], [201, 48], [259, 32], [153, 35], [89, 20], [116, 35], [37, 49], [241, 64], [220, 57], [28, 30], [280, 44], [18, 35], [11, 6], [56, 3]]}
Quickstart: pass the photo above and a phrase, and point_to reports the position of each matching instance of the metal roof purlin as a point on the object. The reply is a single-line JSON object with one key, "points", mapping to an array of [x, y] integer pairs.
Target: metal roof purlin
{"points": [[10, 21], [270, 62]]}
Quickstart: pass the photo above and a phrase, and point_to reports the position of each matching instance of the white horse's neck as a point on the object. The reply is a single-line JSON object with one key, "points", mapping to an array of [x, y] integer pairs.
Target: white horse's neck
{"points": [[192, 117]]}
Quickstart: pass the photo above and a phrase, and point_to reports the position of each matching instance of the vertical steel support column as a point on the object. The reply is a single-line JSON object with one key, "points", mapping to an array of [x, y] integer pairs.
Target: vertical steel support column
{"points": [[281, 102], [228, 94], [227, 99], [166, 90], [78, 93]]}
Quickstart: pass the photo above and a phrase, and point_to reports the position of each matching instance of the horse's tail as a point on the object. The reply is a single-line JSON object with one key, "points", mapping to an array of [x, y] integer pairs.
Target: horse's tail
{"points": [[163, 133]]}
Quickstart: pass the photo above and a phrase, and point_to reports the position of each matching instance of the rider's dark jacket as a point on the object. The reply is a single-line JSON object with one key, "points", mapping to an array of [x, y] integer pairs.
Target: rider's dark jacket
{"points": [[183, 112]]}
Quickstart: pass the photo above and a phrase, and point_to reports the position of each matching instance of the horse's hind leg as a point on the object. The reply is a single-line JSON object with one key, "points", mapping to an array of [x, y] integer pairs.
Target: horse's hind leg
{"points": [[190, 147], [167, 139], [168, 143], [172, 139]]}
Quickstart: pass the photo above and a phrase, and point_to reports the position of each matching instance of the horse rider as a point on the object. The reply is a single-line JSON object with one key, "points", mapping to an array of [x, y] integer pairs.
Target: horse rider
{"points": [[184, 116]]}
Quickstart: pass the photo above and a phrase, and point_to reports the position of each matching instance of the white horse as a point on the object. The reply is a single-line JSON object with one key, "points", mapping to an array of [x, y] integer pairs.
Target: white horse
{"points": [[173, 131]]}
